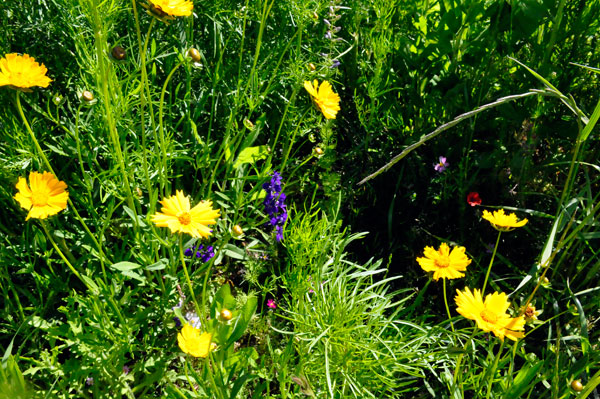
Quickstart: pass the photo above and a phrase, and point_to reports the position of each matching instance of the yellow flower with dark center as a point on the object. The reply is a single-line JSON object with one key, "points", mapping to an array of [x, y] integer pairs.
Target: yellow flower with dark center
{"points": [[443, 263], [193, 342], [173, 8], [177, 216], [503, 222], [490, 314], [327, 101], [22, 72], [44, 196]]}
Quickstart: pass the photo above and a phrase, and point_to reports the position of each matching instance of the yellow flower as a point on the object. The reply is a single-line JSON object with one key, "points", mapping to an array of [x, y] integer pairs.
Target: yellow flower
{"points": [[443, 263], [22, 72], [177, 216], [490, 315], [327, 101], [194, 343], [503, 222], [46, 197], [173, 8]]}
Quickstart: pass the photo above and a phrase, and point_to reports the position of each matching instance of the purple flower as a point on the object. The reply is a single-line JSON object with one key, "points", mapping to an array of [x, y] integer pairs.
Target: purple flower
{"points": [[274, 203], [328, 35], [442, 165], [271, 304], [336, 64], [125, 370], [89, 381], [205, 254]]}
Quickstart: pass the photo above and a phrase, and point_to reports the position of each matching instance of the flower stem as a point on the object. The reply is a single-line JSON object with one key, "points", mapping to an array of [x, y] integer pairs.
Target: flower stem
{"points": [[187, 277], [487, 275], [493, 370], [447, 308], [60, 253], [47, 163]]}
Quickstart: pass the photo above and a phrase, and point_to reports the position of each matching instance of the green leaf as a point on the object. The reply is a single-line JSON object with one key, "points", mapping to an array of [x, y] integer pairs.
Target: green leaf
{"points": [[124, 266], [251, 155], [522, 382]]}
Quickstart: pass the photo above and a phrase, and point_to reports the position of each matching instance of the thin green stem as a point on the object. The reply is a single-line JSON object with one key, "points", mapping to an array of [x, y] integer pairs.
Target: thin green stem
{"points": [[187, 276], [47, 163], [493, 370], [487, 275], [60, 253], [447, 308], [161, 105]]}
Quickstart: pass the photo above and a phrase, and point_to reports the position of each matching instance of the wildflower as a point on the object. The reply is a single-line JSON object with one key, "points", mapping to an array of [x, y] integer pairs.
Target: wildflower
{"points": [[126, 370], [443, 263], [177, 216], [205, 254], [274, 204], [335, 64], [327, 101], [531, 314], [490, 314], [46, 197], [172, 8], [503, 222], [271, 304], [89, 381], [442, 165], [473, 199], [194, 343], [21, 72]]}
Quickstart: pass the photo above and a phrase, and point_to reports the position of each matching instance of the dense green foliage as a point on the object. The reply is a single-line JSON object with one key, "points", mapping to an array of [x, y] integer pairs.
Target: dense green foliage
{"points": [[93, 296]]}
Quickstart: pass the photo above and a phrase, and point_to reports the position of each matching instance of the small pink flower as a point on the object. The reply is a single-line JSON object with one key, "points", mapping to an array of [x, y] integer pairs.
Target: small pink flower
{"points": [[271, 304], [442, 165]]}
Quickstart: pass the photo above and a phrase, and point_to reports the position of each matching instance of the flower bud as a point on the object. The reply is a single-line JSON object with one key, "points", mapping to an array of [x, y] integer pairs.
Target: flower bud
{"points": [[226, 314], [57, 99], [312, 66], [194, 54], [577, 386], [248, 123], [237, 230], [118, 53], [318, 151], [87, 96]]}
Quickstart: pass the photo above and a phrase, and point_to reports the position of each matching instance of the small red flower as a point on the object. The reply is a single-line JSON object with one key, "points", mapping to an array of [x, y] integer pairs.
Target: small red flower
{"points": [[473, 199]]}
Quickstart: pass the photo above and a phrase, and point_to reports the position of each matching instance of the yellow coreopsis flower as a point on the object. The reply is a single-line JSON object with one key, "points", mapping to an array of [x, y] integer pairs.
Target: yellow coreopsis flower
{"points": [[194, 343], [327, 101], [177, 216], [21, 72], [173, 8], [490, 314], [503, 222], [45, 197], [443, 263]]}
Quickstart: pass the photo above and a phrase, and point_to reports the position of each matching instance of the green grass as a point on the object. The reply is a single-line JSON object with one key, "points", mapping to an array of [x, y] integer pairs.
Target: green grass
{"points": [[507, 91]]}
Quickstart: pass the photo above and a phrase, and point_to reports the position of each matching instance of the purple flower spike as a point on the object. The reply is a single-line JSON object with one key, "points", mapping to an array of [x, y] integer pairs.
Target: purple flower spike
{"points": [[442, 165], [274, 204]]}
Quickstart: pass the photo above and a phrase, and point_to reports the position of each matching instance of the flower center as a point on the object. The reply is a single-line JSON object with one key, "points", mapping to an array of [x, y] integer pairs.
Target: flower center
{"points": [[185, 218], [39, 198], [488, 316], [442, 262]]}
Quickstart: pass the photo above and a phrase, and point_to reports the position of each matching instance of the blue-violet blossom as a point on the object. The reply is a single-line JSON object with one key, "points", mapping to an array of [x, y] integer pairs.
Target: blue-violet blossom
{"points": [[274, 204]]}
